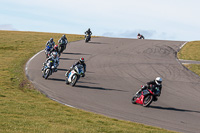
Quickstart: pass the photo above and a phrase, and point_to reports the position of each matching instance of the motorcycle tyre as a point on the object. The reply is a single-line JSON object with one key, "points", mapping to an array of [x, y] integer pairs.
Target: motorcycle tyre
{"points": [[133, 100], [149, 102], [46, 75], [74, 80], [66, 81]]}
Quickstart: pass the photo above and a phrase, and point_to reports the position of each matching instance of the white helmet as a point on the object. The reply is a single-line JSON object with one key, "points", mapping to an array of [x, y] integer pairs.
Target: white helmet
{"points": [[158, 80], [54, 55]]}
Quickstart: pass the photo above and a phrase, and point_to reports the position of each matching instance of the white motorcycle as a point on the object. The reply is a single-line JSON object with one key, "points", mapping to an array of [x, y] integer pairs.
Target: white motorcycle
{"points": [[74, 75], [48, 69]]}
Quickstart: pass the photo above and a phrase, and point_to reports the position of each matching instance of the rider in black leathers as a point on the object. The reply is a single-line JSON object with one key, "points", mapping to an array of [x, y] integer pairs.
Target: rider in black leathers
{"points": [[63, 43], [89, 32], [154, 85], [81, 62]]}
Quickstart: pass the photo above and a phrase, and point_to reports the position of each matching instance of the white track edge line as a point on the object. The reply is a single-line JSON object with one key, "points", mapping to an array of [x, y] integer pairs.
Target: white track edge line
{"points": [[26, 70]]}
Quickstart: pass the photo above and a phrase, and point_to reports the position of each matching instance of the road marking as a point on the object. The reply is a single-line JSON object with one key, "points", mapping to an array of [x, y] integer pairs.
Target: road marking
{"points": [[26, 70], [183, 45]]}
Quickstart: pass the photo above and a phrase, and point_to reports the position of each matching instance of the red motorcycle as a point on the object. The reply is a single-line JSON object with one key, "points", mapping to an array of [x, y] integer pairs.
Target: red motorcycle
{"points": [[146, 97]]}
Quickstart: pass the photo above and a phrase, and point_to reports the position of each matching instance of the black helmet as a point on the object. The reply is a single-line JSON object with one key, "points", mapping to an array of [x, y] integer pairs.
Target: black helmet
{"points": [[63, 36]]}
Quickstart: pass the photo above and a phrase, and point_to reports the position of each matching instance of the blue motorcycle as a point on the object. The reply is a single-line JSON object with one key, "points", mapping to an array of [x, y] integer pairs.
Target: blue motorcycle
{"points": [[48, 51]]}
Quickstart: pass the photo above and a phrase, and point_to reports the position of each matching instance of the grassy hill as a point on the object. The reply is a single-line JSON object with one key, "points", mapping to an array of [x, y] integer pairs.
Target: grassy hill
{"points": [[24, 109], [191, 52]]}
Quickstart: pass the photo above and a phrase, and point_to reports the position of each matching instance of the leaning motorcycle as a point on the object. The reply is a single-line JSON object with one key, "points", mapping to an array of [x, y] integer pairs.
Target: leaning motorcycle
{"points": [[47, 69], [62, 46], [146, 97], [87, 38], [140, 37], [47, 51], [74, 75]]}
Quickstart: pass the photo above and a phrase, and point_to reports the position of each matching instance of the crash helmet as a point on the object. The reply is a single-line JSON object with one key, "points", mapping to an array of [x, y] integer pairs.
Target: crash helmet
{"points": [[81, 60], [56, 47], [51, 39], [138, 34], [63, 36], [54, 55], [88, 29], [158, 80]]}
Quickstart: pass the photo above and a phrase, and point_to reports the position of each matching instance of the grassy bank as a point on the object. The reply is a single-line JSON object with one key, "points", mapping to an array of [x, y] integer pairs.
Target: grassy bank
{"points": [[191, 52], [24, 109]]}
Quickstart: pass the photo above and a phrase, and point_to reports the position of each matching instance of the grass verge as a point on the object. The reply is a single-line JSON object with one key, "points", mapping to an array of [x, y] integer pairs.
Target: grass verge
{"points": [[24, 109], [191, 52]]}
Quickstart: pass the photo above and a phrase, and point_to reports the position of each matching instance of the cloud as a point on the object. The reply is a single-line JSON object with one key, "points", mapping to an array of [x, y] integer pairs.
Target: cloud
{"points": [[7, 27]]}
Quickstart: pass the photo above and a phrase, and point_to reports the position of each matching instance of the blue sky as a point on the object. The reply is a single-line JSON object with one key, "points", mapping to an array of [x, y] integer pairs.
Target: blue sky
{"points": [[155, 19]]}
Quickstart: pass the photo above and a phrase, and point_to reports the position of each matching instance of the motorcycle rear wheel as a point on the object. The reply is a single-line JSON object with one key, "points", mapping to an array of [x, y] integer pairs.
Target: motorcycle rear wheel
{"points": [[147, 100]]}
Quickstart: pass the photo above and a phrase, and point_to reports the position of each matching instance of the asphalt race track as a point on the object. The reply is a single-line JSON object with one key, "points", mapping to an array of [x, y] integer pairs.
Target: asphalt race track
{"points": [[116, 68]]}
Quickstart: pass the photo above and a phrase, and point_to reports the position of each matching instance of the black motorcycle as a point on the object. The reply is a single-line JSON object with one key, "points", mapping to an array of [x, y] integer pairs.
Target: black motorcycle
{"points": [[87, 38]]}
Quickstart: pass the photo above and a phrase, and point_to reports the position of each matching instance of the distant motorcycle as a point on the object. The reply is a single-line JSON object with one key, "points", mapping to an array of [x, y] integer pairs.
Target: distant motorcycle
{"points": [[75, 75], [140, 37], [146, 97], [87, 38], [47, 69]]}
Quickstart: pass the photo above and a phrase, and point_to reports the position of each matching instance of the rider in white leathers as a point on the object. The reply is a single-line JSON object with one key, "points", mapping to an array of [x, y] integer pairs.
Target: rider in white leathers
{"points": [[55, 59]]}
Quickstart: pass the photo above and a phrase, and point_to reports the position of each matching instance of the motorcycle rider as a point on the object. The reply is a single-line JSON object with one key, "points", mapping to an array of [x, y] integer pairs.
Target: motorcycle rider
{"points": [[152, 85], [89, 32], [50, 43], [139, 36], [81, 62], [55, 60], [55, 49], [63, 42]]}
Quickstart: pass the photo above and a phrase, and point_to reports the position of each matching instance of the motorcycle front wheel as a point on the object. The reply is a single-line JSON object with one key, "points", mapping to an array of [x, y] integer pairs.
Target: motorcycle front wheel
{"points": [[67, 82], [134, 99], [46, 73], [74, 80]]}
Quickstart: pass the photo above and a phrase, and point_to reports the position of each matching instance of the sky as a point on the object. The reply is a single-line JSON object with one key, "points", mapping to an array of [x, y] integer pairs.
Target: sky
{"points": [[155, 19]]}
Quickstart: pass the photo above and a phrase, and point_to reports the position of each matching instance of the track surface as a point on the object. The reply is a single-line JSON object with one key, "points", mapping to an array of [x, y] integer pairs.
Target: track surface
{"points": [[116, 68]]}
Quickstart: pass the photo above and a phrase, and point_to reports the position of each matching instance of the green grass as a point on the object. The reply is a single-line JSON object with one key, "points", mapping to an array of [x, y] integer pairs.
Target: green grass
{"points": [[24, 109], [191, 51], [194, 67]]}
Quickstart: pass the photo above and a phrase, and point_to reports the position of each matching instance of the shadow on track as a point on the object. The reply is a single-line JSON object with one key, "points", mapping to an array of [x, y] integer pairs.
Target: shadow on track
{"points": [[86, 82], [76, 53], [60, 69], [66, 58], [56, 79], [98, 88], [97, 43], [173, 109]]}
